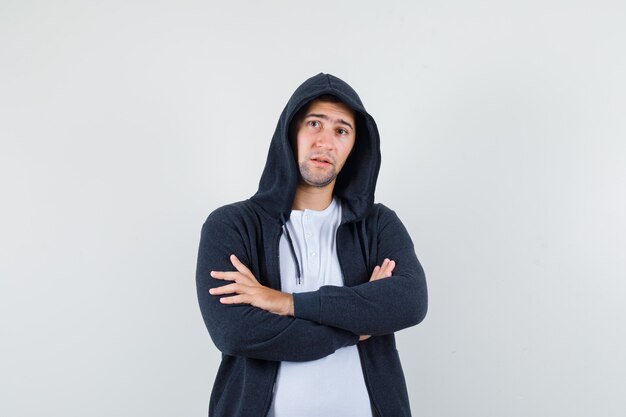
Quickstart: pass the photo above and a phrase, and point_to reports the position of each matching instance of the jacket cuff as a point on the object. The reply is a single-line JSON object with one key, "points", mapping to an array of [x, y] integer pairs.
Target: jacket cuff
{"points": [[306, 305]]}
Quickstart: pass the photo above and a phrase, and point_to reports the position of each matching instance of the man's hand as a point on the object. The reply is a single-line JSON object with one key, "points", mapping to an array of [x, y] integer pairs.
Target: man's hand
{"points": [[247, 290], [383, 271], [380, 272]]}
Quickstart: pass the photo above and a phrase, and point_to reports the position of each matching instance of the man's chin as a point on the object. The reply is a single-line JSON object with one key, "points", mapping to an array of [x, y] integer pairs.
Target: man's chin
{"points": [[317, 182]]}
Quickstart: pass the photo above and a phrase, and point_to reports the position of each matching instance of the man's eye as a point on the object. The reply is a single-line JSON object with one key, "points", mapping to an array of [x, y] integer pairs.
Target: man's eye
{"points": [[342, 131], [313, 123]]}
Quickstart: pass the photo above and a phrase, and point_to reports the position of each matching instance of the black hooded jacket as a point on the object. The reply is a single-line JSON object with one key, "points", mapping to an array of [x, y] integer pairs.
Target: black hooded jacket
{"points": [[253, 341]]}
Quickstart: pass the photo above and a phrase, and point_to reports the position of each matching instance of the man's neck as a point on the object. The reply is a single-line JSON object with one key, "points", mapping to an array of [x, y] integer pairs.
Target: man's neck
{"points": [[312, 198]]}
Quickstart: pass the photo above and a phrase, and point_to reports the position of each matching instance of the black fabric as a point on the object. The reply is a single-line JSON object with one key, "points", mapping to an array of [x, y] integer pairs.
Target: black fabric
{"points": [[356, 182], [253, 341]]}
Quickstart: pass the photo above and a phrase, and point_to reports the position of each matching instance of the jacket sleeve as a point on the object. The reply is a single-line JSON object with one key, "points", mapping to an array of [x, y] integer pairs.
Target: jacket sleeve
{"points": [[243, 330], [379, 307]]}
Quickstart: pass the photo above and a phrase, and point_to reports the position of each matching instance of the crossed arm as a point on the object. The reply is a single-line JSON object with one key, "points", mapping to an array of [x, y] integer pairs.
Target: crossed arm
{"points": [[246, 289], [313, 324]]}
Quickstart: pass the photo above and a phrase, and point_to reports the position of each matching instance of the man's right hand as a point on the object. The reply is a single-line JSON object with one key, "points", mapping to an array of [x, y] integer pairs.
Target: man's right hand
{"points": [[380, 272]]}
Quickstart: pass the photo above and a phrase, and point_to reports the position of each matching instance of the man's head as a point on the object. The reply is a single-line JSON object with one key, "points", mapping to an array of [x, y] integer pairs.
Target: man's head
{"points": [[323, 134]]}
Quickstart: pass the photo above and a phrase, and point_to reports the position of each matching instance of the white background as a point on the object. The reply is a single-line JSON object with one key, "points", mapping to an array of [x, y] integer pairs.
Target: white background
{"points": [[503, 130]]}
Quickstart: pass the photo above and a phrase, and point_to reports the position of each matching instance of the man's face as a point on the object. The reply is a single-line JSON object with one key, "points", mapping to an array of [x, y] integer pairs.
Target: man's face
{"points": [[324, 138]]}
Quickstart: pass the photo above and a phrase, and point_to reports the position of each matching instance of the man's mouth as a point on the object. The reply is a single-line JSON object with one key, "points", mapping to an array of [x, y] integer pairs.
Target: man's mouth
{"points": [[321, 160]]}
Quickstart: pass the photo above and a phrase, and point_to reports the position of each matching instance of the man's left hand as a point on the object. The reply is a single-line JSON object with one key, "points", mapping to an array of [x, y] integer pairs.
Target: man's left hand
{"points": [[247, 290]]}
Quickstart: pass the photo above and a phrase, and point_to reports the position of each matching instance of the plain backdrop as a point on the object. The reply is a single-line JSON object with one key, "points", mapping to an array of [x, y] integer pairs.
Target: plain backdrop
{"points": [[123, 124]]}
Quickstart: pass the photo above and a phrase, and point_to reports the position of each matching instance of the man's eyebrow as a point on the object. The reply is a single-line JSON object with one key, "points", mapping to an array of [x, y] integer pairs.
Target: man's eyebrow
{"points": [[323, 116]]}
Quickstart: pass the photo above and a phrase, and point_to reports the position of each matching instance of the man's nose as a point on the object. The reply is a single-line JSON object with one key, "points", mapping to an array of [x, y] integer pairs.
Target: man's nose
{"points": [[325, 139]]}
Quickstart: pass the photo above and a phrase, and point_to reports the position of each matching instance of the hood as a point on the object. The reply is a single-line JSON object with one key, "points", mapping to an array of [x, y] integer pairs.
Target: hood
{"points": [[355, 183]]}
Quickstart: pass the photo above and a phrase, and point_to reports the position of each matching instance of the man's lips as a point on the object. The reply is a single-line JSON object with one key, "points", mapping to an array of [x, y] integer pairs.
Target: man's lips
{"points": [[320, 164], [321, 161]]}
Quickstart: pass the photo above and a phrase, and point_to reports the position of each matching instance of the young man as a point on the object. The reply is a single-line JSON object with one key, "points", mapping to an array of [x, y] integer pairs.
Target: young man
{"points": [[303, 285]]}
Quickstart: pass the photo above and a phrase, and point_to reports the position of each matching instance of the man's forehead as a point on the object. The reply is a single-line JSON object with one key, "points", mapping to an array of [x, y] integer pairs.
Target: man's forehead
{"points": [[317, 107]]}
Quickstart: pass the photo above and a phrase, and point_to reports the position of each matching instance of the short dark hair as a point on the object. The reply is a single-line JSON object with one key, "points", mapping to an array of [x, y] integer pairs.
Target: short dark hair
{"points": [[326, 98]]}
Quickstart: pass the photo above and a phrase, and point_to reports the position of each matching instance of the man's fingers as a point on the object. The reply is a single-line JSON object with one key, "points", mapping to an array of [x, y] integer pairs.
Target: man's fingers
{"points": [[385, 270], [241, 267], [227, 289], [228, 275], [235, 299], [375, 273], [389, 268]]}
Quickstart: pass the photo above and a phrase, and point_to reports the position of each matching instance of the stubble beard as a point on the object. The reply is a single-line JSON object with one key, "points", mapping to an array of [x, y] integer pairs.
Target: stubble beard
{"points": [[321, 179]]}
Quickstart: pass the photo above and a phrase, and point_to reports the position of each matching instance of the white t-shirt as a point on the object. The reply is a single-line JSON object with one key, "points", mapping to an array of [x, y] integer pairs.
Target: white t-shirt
{"points": [[332, 386]]}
